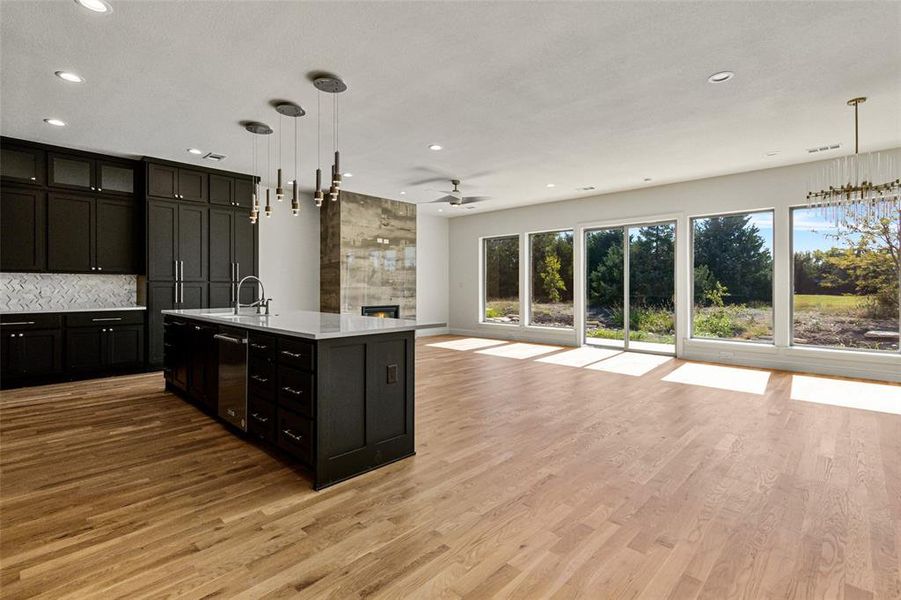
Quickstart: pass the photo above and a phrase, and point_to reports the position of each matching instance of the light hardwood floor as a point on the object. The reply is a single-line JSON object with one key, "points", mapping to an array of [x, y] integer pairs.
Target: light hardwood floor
{"points": [[532, 480]]}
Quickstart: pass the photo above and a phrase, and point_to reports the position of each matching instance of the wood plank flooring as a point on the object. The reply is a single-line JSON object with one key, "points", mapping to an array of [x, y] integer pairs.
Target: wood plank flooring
{"points": [[532, 480]]}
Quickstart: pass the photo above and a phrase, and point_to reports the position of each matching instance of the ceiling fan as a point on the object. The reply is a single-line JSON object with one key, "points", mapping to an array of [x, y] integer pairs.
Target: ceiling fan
{"points": [[456, 198]]}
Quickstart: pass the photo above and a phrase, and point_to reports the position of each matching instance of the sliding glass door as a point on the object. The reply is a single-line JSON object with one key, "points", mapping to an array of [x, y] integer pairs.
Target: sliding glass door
{"points": [[630, 287]]}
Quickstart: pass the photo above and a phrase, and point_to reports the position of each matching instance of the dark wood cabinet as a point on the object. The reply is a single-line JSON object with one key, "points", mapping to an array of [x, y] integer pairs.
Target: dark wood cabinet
{"points": [[31, 353], [115, 177], [222, 244], [85, 348], [71, 171], [70, 233], [162, 240], [117, 240], [86, 234], [23, 227], [176, 183], [160, 296], [222, 190], [22, 164], [203, 365], [243, 192], [192, 242], [233, 253], [221, 295]]}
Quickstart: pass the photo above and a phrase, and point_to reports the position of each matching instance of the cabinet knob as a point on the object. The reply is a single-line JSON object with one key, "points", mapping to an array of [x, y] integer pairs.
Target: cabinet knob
{"points": [[99, 189], [99, 268], [93, 188], [93, 268]]}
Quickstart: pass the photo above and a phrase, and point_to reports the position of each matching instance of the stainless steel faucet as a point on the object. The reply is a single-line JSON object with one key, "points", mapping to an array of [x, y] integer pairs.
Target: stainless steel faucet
{"points": [[262, 302]]}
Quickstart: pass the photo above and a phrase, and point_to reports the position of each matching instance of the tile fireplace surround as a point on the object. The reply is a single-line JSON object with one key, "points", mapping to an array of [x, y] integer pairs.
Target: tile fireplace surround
{"points": [[367, 254]]}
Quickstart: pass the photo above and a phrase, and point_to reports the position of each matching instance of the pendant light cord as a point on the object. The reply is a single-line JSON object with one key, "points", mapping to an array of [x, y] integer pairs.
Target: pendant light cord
{"points": [[856, 143], [319, 130]]}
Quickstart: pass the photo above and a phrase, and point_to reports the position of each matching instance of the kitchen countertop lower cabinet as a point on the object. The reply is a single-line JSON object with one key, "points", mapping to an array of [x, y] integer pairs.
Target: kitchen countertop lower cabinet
{"points": [[339, 406], [46, 347]]}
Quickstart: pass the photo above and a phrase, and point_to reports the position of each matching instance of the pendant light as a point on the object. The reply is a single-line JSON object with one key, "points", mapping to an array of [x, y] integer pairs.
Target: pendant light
{"points": [[317, 195], [331, 85], [279, 190], [268, 210], [294, 111], [256, 129]]}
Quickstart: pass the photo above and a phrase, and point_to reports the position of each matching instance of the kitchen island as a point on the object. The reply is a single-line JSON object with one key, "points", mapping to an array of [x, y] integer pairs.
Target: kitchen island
{"points": [[334, 392]]}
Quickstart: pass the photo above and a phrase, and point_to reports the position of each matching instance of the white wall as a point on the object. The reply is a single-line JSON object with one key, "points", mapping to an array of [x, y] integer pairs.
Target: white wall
{"points": [[432, 263], [289, 256], [289, 262], [776, 189]]}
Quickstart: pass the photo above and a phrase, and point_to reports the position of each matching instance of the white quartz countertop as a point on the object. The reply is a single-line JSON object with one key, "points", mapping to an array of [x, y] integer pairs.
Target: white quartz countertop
{"points": [[304, 323], [69, 309]]}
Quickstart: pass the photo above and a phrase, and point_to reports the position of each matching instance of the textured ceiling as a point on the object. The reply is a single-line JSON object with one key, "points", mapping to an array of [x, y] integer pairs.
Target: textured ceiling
{"points": [[575, 94]]}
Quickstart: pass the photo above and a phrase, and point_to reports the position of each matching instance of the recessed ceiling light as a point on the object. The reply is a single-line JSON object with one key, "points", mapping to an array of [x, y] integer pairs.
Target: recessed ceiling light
{"points": [[97, 6], [347, 174], [403, 193], [721, 77], [55, 122], [70, 76], [440, 210], [550, 185], [195, 151], [435, 147]]}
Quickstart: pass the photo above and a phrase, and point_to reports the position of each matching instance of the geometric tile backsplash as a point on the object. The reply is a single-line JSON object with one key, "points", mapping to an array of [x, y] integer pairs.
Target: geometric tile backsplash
{"points": [[49, 291]]}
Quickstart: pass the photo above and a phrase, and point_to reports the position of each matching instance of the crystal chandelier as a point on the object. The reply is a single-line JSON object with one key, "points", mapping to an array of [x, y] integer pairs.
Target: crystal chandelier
{"points": [[847, 186]]}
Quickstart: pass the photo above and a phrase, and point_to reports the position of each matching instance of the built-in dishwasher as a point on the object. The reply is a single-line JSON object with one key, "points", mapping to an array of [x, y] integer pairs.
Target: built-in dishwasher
{"points": [[232, 384]]}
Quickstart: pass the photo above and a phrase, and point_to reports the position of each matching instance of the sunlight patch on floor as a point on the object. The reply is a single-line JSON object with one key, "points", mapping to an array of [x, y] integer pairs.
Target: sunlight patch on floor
{"points": [[519, 351], [467, 344], [750, 381], [878, 397], [630, 363], [579, 357]]}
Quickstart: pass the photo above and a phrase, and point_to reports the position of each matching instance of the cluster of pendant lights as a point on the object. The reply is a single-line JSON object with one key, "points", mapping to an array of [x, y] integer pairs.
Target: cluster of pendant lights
{"points": [[328, 84]]}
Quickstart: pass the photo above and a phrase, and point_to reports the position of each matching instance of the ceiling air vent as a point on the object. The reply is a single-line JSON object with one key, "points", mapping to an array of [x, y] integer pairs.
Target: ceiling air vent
{"points": [[823, 148], [213, 156]]}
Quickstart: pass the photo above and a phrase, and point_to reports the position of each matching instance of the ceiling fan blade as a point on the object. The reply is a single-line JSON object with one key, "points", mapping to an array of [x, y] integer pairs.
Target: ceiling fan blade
{"points": [[428, 180], [449, 199], [477, 175], [472, 199]]}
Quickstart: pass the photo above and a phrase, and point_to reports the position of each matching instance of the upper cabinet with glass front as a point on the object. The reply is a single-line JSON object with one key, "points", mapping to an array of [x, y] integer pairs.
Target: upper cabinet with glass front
{"points": [[21, 164], [85, 173]]}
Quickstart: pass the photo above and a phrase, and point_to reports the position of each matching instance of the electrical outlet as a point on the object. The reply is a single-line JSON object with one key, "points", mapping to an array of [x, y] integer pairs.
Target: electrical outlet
{"points": [[392, 373]]}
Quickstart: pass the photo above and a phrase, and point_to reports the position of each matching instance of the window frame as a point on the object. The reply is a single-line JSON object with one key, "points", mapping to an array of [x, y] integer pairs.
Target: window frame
{"points": [[483, 278], [526, 309], [691, 278], [791, 299]]}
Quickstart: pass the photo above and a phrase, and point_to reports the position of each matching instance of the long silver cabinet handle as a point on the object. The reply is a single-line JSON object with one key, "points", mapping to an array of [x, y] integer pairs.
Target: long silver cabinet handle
{"points": [[292, 435], [97, 320], [230, 339], [259, 417], [291, 390], [292, 354], [20, 323]]}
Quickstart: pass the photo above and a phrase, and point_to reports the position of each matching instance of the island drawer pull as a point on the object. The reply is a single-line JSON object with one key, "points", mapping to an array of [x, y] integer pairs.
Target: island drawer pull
{"points": [[292, 354], [231, 412], [259, 418], [98, 319], [292, 435], [229, 339], [20, 323], [259, 378], [291, 390], [259, 346]]}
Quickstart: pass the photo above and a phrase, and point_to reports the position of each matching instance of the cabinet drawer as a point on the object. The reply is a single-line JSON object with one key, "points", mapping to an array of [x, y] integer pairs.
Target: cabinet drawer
{"points": [[261, 418], [295, 353], [261, 346], [94, 319], [30, 321], [261, 377], [295, 389], [295, 434]]}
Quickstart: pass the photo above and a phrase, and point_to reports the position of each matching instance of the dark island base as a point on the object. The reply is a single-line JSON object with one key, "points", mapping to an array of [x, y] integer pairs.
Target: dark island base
{"points": [[340, 407]]}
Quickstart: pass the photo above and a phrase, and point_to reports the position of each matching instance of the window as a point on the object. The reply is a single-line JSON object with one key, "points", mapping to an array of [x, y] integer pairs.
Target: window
{"points": [[551, 257], [501, 280], [733, 277], [845, 280]]}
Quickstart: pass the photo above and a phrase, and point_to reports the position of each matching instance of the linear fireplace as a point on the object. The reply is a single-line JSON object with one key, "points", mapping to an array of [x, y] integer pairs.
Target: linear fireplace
{"points": [[385, 311]]}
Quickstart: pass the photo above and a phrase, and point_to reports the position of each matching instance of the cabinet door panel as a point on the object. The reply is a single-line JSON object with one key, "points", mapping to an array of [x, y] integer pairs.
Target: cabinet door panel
{"points": [[117, 248], [160, 296], [85, 349], [115, 178], [162, 240], [192, 242], [192, 185], [125, 345], [22, 164], [162, 181], [221, 244], [71, 172], [33, 353], [193, 295], [70, 243], [23, 222], [222, 190], [243, 193], [221, 295]]}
